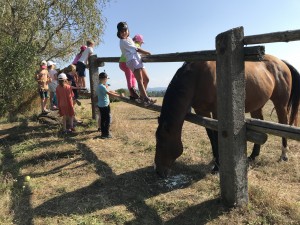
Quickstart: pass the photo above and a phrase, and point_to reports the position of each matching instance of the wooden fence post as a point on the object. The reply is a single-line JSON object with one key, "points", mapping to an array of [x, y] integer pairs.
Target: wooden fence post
{"points": [[231, 117], [94, 82]]}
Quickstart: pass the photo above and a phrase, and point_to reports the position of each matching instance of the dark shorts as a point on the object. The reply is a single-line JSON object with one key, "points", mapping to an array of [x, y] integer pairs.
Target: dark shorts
{"points": [[43, 94], [80, 68]]}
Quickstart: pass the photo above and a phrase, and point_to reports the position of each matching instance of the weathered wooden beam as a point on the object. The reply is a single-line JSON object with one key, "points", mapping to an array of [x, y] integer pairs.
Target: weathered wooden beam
{"points": [[252, 136], [284, 36], [94, 82], [254, 53], [276, 129]]}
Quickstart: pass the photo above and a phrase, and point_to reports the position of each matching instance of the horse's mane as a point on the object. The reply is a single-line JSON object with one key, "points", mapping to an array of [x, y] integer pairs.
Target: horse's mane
{"points": [[172, 101]]}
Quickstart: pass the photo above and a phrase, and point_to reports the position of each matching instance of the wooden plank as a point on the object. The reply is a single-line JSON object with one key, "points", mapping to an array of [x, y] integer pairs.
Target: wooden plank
{"points": [[252, 136], [284, 36], [254, 53], [231, 117], [94, 82], [280, 130]]}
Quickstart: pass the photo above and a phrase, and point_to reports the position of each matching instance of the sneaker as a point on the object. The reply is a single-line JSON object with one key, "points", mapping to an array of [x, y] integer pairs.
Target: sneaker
{"points": [[66, 132], [106, 136], [153, 100], [149, 102], [132, 98], [78, 102], [45, 111], [139, 100], [78, 121], [54, 107]]}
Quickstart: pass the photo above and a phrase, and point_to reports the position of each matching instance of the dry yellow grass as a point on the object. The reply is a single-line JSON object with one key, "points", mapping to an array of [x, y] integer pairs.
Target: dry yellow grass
{"points": [[81, 179]]}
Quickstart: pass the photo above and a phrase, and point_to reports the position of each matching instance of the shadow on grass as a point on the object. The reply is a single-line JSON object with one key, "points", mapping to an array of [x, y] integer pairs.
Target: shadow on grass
{"points": [[11, 167], [131, 189]]}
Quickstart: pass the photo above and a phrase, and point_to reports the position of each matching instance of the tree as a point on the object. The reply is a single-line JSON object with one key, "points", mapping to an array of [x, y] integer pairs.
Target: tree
{"points": [[43, 29]]}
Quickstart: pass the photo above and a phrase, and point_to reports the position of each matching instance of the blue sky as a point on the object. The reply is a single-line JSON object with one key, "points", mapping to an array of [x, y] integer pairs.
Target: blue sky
{"points": [[170, 26]]}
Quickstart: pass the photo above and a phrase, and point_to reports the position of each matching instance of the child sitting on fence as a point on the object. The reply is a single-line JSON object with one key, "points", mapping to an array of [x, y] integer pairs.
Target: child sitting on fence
{"points": [[83, 61], [134, 62]]}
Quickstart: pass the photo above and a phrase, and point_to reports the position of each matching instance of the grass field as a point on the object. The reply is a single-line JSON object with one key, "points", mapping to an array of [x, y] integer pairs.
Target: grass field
{"points": [[82, 179]]}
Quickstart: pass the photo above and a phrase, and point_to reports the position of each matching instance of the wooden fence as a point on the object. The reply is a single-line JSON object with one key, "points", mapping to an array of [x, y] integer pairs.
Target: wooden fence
{"points": [[233, 129]]}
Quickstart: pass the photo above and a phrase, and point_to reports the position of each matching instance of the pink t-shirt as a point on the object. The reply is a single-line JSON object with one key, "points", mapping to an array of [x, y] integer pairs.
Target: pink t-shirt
{"points": [[85, 55], [77, 57]]}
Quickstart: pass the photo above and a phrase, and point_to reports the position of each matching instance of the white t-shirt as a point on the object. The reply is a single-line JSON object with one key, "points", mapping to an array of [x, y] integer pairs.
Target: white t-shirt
{"points": [[52, 74], [128, 49], [85, 55]]}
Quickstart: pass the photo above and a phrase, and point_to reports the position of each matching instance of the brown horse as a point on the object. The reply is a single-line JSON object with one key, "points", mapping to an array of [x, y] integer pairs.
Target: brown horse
{"points": [[194, 84]]}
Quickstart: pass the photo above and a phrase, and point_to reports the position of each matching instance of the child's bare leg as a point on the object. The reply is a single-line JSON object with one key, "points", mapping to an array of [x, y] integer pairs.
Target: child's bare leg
{"points": [[51, 99], [64, 123], [139, 78], [71, 120], [44, 103], [83, 82], [145, 78]]}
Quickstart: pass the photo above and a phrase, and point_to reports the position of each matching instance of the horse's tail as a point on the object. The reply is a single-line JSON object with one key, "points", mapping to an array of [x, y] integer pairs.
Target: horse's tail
{"points": [[294, 100]]}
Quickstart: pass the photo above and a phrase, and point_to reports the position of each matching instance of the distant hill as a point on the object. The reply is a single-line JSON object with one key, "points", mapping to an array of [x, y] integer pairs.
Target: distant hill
{"points": [[157, 89]]}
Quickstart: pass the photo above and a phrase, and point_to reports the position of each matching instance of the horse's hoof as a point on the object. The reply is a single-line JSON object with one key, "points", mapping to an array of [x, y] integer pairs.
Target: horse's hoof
{"points": [[283, 158], [215, 169], [251, 159]]}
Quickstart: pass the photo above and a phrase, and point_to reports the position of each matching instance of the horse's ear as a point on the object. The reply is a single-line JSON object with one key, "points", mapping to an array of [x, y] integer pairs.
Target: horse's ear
{"points": [[188, 66]]}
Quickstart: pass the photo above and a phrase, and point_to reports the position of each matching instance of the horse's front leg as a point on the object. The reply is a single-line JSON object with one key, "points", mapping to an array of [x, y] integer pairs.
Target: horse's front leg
{"points": [[256, 148], [213, 137], [255, 152], [282, 115]]}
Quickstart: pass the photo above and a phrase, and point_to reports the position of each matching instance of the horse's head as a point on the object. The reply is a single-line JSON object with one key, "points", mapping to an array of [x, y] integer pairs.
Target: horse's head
{"points": [[168, 148], [176, 103]]}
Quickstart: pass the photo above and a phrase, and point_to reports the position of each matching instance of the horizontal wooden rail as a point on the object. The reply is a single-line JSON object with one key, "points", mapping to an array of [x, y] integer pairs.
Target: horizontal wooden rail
{"points": [[255, 128], [284, 36], [252, 136], [276, 129], [254, 53]]}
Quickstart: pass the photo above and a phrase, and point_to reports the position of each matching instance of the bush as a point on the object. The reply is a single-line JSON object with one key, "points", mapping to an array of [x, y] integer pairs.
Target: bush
{"points": [[17, 69]]}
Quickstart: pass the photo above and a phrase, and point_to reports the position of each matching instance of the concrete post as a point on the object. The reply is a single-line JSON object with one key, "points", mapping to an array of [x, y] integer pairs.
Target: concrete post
{"points": [[231, 117]]}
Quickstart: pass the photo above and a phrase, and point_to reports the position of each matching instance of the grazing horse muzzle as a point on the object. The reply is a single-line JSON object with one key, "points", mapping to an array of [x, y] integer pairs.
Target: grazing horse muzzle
{"points": [[166, 154]]}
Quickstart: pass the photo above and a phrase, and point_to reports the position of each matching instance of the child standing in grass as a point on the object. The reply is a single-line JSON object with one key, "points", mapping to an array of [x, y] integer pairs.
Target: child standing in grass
{"points": [[53, 84], [64, 96], [103, 104], [43, 79], [134, 62]]}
